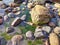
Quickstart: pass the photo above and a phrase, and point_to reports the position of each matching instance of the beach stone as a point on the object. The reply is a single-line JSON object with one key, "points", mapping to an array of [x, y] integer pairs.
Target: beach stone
{"points": [[38, 34], [11, 15], [10, 29], [38, 29], [18, 8], [6, 18], [29, 35], [46, 29], [8, 9], [40, 18], [16, 21], [23, 17], [30, 5], [57, 30], [16, 39], [13, 5], [3, 6], [14, 10], [52, 24]]}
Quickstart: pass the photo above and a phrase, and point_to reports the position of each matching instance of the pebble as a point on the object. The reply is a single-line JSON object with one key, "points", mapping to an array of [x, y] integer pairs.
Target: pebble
{"points": [[23, 17], [18, 8], [57, 30], [29, 34], [38, 29], [16, 21], [38, 34], [10, 29], [46, 28], [52, 24], [16, 39], [11, 15], [6, 18]]}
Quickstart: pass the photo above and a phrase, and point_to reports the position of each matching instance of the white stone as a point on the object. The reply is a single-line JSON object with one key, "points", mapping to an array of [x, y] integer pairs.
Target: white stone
{"points": [[38, 29], [46, 28], [38, 34], [6, 18], [23, 17], [29, 34]]}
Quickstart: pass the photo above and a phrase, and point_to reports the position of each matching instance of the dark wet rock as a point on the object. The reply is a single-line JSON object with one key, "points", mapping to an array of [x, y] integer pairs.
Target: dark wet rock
{"points": [[29, 35], [10, 29], [41, 32], [2, 41], [16, 22]]}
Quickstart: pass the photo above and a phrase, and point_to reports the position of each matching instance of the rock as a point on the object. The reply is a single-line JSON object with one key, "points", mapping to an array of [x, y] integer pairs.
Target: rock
{"points": [[18, 8], [57, 30], [3, 6], [6, 18], [16, 21], [13, 5], [10, 29], [17, 13], [46, 28], [30, 5], [11, 15], [38, 34], [52, 24], [23, 17], [2, 41], [24, 3], [1, 20], [40, 1], [29, 35], [53, 38], [38, 29], [57, 5], [39, 15], [8, 9], [16, 39], [14, 10]]}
